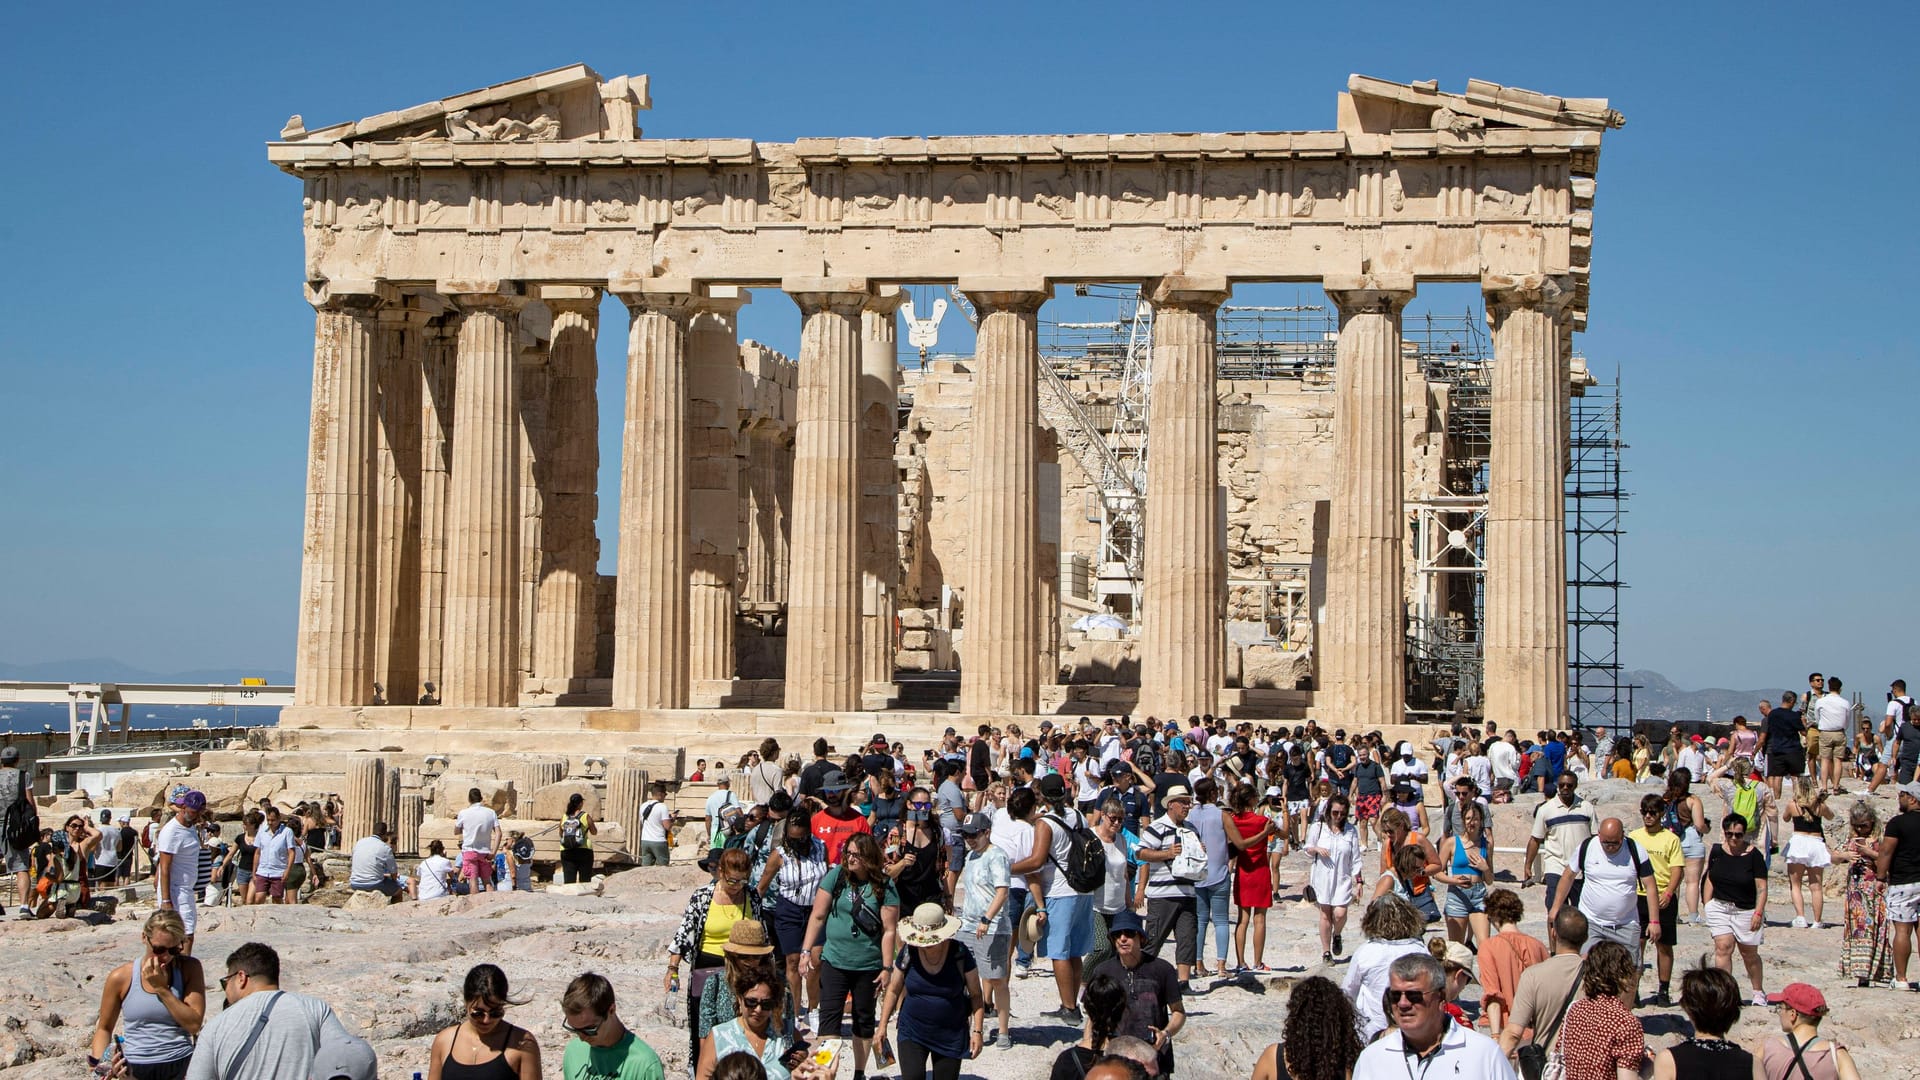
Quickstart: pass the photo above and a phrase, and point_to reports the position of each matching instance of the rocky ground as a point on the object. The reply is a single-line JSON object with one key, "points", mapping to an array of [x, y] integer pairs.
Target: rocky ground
{"points": [[394, 973]]}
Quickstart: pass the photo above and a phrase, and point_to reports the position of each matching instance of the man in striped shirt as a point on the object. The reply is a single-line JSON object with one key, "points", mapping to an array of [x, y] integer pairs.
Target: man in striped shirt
{"points": [[1560, 825]]}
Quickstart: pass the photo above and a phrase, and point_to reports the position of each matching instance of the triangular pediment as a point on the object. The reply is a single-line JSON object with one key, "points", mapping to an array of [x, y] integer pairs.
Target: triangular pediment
{"points": [[563, 104], [1377, 106]]}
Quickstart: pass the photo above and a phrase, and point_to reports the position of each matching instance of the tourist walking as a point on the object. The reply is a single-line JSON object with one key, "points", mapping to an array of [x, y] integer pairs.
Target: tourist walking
{"points": [[266, 1033], [601, 1046], [1786, 746], [705, 927], [483, 1045], [787, 885], [1504, 957], [1736, 901], [1424, 1033], [1683, 815], [1602, 1039], [1469, 874], [1612, 871], [1897, 862], [176, 855], [1799, 1051], [19, 824], [160, 1001], [1560, 825], [1334, 845], [1067, 912], [1660, 909], [1393, 929], [850, 936], [1408, 875], [1866, 953], [1317, 1038], [1807, 854], [1105, 1006], [1547, 989], [1156, 1009], [838, 820], [1211, 893], [985, 930], [1013, 834], [934, 992], [1711, 999], [577, 830], [1172, 859], [272, 858], [756, 997], [1116, 888], [917, 854], [1249, 833], [479, 839], [656, 818], [748, 961]]}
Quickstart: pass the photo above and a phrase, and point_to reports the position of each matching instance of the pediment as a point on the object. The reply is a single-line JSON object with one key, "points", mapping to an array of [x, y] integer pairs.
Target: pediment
{"points": [[564, 104], [1378, 106]]}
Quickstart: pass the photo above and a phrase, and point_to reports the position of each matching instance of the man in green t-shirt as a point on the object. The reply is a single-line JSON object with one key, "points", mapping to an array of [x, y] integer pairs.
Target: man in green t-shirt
{"points": [[602, 1047]]}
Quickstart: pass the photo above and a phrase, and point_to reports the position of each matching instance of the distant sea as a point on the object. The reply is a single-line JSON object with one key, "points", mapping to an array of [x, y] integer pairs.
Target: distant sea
{"points": [[35, 716]]}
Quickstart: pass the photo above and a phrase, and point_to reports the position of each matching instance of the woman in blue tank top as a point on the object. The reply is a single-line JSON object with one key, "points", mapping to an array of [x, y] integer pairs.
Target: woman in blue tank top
{"points": [[1469, 872], [159, 1000]]}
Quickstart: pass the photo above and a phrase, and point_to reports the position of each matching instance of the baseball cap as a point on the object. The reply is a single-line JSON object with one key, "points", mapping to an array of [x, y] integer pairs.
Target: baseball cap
{"points": [[344, 1057], [190, 799], [1801, 998], [976, 824], [1911, 788], [9, 755], [1697, 738], [1051, 787], [1461, 956]]}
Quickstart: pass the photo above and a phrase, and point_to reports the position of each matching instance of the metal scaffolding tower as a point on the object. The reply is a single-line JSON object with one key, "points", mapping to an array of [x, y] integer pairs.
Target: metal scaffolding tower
{"points": [[1596, 506]]}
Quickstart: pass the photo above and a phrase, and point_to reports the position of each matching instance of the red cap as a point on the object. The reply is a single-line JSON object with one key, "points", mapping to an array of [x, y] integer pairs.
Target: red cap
{"points": [[1697, 738], [1801, 998]]}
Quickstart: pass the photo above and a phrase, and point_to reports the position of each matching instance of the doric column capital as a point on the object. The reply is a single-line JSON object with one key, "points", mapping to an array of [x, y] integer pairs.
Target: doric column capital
{"points": [[1552, 294], [838, 295], [1386, 294], [673, 297], [885, 300], [503, 296], [1192, 291], [570, 298], [723, 300], [363, 297], [1022, 295]]}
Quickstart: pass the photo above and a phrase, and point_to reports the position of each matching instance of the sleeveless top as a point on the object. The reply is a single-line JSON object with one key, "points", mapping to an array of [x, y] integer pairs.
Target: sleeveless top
{"points": [[494, 1068], [1711, 1059], [1807, 822], [1670, 818], [798, 879], [1460, 865], [152, 1036], [731, 1037], [1776, 1058], [920, 883]]}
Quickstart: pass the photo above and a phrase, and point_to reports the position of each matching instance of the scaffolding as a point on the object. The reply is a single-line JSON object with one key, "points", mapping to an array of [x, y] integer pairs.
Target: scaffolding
{"points": [[1596, 506]]}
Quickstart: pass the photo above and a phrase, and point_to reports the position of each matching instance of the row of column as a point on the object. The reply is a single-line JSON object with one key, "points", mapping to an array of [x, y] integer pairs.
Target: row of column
{"points": [[438, 517]]}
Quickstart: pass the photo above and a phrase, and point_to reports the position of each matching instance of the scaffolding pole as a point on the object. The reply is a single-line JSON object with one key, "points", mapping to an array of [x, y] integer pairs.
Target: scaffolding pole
{"points": [[1596, 509]]}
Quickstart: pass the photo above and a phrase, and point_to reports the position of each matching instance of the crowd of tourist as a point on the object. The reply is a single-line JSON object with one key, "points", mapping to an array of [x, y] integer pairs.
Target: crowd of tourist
{"points": [[883, 906]]}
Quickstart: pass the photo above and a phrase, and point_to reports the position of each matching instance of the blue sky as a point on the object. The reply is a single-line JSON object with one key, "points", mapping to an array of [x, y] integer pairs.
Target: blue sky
{"points": [[1754, 267]]}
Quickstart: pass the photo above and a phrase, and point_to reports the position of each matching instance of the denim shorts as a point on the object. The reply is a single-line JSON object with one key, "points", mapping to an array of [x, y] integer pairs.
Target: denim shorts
{"points": [[1465, 900], [1069, 926]]}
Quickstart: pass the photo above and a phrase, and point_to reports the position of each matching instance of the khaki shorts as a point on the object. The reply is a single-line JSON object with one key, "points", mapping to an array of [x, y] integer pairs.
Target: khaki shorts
{"points": [[1833, 744]]}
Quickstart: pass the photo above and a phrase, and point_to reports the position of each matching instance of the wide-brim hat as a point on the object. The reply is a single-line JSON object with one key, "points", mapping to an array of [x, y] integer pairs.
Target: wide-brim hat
{"points": [[1177, 792], [929, 925], [1029, 934], [747, 937]]}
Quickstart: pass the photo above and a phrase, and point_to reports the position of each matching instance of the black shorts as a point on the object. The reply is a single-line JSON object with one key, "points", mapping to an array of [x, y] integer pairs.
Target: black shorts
{"points": [[1668, 932], [1786, 763]]}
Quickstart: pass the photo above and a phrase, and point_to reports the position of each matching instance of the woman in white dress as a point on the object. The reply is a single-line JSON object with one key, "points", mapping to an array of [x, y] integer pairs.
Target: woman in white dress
{"points": [[1334, 845]]}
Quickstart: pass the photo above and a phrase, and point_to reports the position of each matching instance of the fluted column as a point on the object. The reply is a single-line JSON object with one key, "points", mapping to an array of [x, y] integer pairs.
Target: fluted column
{"points": [[626, 794], [650, 619], [879, 482], [1001, 672], [713, 377], [406, 831], [365, 799], [397, 560], [1525, 637], [763, 513], [334, 653], [482, 630], [1362, 642], [823, 606], [436, 464], [1181, 661], [563, 615]]}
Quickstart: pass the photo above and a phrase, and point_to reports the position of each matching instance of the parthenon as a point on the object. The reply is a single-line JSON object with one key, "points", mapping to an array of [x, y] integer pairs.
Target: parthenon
{"points": [[456, 256]]}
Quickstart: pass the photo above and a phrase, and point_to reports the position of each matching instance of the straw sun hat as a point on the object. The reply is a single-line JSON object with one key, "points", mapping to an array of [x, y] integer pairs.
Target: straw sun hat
{"points": [[748, 937], [930, 925]]}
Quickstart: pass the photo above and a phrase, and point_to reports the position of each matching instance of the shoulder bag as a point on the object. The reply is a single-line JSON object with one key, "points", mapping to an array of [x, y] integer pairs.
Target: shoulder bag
{"points": [[1535, 1062]]}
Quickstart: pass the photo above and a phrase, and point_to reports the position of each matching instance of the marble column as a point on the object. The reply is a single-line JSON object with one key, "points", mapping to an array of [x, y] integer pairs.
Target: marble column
{"points": [[364, 802], [564, 611], [879, 483], [334, 653], [1362, 642], [764, 446], [397, 561], [1525, 636], [436, 464], [823, 606], [650, 621], [532, 390], [1001, 670], [482, 631], [1182, 651], [713, 481]]}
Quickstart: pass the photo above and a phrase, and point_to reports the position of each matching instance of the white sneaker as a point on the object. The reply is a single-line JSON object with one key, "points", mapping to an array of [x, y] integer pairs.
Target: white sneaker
{"points": [[1799, 922]]}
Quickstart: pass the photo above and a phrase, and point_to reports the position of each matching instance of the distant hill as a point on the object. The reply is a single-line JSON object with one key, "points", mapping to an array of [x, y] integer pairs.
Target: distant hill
{"points": [[1657, 698], [107, 669]]}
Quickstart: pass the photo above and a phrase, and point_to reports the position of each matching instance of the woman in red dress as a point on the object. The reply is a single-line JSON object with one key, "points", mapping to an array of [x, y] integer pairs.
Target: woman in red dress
{"points": [[1248, 831]]}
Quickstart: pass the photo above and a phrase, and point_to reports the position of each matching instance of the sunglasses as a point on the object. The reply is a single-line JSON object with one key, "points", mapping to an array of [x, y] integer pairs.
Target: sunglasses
{"points": [[756, 1004], [487, 1014], [166, 950], [1735, 835], [586, 1032], [230, 976], [1413, 996], [734, 882]]}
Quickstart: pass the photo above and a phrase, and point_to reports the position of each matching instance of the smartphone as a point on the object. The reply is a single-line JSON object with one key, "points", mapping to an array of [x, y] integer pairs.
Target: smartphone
{"points": [[826, 1055]]}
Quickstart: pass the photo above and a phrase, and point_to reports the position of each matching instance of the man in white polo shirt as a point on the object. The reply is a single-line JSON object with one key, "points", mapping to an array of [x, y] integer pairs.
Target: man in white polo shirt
{"points": [[1612, 869], [1424, 1035]]}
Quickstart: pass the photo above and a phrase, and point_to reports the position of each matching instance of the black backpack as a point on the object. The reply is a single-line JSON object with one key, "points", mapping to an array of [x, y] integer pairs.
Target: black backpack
{"points": [[23, 817], [1086, 861]]}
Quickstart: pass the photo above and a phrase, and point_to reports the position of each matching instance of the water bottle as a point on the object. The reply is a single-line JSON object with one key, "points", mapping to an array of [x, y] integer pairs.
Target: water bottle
{"points": [[673, 983]]}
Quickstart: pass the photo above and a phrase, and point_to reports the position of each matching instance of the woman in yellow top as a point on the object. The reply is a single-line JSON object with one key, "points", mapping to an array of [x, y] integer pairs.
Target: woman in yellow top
{"points": [[705, 927]]}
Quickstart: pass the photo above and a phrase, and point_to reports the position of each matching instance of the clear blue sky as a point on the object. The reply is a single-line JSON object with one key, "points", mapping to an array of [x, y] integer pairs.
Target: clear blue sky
{"points": [[1754, 270]]}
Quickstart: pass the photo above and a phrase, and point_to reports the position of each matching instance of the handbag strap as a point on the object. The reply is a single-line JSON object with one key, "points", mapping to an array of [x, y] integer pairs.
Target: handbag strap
{"points": [[260, 1025], [1560, 1017]]}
